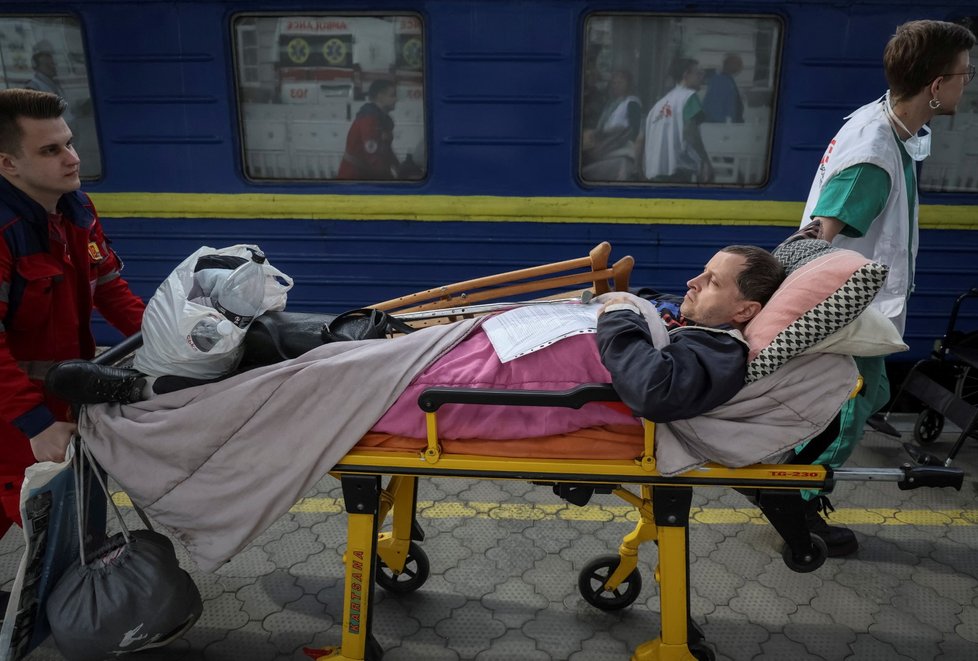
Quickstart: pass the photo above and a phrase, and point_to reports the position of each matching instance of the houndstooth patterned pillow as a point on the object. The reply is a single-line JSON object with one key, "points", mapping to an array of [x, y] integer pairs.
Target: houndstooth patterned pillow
{"points": [[826, 290], [796, 254]]}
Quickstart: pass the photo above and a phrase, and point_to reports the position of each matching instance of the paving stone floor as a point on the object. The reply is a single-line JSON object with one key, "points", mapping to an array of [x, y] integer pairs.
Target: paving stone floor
{"points": [[505, 557]]}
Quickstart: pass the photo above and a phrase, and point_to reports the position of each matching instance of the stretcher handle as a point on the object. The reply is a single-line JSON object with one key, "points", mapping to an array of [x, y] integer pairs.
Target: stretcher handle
{"points": [[916, 476], [908, 476], [432, 398], [118, 352]]}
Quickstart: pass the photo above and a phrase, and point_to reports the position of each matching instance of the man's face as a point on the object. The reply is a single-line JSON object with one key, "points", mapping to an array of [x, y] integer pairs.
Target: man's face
{"points": [[714, 299], [46, 65], [387, 99], [47, 166], [693, 78], [952, 86]]}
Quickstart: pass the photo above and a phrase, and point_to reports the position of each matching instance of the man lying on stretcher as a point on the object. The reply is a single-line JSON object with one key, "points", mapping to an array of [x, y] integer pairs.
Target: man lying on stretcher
{"points": [[256, 441], [699, 369]]}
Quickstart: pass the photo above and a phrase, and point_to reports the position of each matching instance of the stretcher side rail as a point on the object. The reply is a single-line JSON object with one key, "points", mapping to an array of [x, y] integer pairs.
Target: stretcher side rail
{"points": [[907, 476]]}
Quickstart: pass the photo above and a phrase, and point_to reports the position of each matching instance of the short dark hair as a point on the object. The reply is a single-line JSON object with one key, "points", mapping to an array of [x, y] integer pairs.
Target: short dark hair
{"points": [[16, 103], [680, 67], [379, 86], [921, 51], [762, 274]]}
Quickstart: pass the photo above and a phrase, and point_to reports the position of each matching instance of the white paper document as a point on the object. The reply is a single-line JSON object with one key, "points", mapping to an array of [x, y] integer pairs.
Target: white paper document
{"points": [[528, 328]]}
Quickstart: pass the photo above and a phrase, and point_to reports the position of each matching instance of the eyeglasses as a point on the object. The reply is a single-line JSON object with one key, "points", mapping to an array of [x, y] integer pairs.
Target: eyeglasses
{"points": [[969, 74]]}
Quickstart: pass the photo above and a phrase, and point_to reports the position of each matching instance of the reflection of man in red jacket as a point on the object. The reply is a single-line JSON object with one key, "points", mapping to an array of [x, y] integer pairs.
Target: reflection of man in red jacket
{"points": [[55, 267], [369, 152]]}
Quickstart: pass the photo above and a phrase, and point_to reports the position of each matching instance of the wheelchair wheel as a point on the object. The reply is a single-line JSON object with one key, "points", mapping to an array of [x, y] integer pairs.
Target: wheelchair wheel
{"points": [[806, 564], [413, 576], [591, 581], [928, 427]]}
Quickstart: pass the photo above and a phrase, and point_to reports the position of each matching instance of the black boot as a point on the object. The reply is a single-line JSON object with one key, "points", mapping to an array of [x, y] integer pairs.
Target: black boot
{"points": [[85, 382], [839, 541]]}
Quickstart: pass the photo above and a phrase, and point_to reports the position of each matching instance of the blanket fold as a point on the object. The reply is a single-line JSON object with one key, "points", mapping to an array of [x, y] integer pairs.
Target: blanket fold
{"points": [[218, 464]]}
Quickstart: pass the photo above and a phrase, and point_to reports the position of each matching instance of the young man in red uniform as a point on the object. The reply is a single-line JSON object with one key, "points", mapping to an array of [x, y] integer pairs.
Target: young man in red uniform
{"points": [[55, 267], [369, 143]]}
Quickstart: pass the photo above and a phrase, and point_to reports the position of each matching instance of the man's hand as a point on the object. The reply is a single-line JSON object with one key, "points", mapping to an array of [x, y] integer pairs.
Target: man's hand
{"points": [[615, 299], [51, 444]]}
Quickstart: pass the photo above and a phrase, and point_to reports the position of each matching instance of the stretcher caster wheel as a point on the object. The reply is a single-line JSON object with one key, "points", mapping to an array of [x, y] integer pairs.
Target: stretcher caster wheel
{"points": [[808, 562], [412, 577], [591, 581], [928, 427], [701, 652]]}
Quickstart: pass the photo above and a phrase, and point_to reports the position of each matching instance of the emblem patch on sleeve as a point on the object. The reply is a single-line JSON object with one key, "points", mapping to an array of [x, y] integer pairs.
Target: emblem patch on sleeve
{"points": [[96, 253]]}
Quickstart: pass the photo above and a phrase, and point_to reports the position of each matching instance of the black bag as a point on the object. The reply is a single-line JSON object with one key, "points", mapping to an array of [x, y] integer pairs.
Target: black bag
{"points": [[128, 595], [363, 324]]}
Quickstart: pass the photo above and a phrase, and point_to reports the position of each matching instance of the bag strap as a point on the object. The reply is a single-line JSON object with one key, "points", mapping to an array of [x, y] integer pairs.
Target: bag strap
{"points": [[82, 456], [362, 324]]}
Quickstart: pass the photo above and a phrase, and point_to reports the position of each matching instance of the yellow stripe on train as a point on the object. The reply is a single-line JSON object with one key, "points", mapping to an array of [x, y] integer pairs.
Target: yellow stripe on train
{"points": [[435, 208]]}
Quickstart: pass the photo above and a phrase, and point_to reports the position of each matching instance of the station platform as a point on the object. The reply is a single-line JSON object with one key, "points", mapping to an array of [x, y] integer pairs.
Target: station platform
{"points": [[505, 558]]}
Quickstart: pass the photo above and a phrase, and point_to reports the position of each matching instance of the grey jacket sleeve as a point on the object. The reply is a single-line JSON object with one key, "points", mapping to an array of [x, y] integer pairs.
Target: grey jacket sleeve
{"points": [[699, 370]]}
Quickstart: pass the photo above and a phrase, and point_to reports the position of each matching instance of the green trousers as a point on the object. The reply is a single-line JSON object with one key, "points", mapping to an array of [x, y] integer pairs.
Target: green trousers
{"points": [[852, 418]]}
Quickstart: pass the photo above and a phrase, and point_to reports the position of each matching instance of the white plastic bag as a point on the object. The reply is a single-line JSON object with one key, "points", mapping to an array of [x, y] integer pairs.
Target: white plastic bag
{"points": [[170, 316]]}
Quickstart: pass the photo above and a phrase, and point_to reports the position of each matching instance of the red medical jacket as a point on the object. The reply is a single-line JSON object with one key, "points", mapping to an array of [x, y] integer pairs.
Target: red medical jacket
{"points": [[54, 269]]}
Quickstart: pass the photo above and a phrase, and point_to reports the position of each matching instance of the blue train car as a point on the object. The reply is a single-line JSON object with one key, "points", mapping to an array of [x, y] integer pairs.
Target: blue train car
{"points": [[212, 122]]}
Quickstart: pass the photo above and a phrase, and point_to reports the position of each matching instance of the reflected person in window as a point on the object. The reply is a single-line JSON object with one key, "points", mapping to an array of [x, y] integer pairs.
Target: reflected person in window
{"points": [[864, 196], [369, 153], [45, 77], [671, 147], [609, 149], [722, 102]]}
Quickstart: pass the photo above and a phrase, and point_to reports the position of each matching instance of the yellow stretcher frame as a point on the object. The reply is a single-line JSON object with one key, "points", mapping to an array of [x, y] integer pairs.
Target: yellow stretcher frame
{"points": [[663, 504]]}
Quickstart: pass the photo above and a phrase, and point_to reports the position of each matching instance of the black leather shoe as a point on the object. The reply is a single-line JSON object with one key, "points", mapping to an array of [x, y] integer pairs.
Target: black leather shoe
{"points": [[85, 382], [838, 540]]}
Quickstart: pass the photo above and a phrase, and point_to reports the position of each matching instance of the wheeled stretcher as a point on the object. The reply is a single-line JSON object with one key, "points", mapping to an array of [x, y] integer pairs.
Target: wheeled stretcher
{"points": [[398, 563], [396, 560]]}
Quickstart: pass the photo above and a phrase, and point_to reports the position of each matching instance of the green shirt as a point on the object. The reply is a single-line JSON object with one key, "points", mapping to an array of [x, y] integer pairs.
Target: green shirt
{"points": [[692, 108], [857, 195]]}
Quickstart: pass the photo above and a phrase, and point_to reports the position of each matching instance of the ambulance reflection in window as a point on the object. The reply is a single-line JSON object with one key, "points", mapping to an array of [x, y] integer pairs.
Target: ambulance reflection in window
{"points": [[331, 97]]}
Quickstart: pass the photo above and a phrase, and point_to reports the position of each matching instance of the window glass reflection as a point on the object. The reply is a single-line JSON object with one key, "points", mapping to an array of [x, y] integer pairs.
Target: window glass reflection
{"points": [[46, 53], [331, 97], [952, 166], [678, 100]]}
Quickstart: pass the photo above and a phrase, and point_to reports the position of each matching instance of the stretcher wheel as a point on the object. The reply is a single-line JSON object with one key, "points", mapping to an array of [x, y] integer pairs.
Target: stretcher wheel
{"points": [[928, 427], [591, 584], [412, 577], [809, 563]]}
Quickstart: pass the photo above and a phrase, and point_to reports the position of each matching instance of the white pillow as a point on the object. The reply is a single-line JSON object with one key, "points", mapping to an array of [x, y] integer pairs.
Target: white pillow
{"points": [[870, 334]]}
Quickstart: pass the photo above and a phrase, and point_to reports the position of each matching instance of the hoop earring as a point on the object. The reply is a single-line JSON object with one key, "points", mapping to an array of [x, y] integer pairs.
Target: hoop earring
{"points": [[934, 103]]}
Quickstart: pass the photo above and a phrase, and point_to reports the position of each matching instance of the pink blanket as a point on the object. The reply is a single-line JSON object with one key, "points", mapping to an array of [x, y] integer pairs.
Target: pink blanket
{"points": [[473, 364]]}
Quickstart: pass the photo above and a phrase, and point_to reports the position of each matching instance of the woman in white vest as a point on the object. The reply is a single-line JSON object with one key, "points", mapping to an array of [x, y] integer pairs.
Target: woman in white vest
{"points": [[672, 149], [864, 196], [609, 148]]}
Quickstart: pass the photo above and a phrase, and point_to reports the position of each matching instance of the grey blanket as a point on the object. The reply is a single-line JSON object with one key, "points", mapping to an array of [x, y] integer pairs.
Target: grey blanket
{"points": [[218, 464]]}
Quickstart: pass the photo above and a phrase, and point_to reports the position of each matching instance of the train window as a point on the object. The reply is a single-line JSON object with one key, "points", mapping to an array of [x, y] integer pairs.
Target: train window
{"points": [[952, 166], [46, 53], [678, 99], [329, 97]]}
